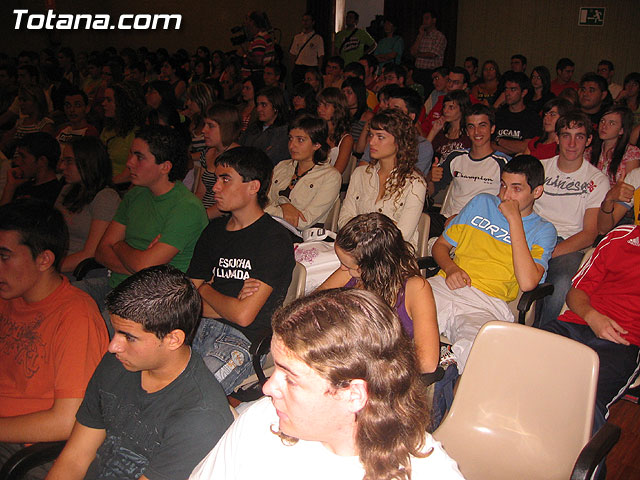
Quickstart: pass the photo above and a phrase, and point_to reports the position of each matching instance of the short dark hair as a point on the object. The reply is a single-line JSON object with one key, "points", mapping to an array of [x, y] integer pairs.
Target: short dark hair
{"points": [[411, 99], [371, 60], [277, 68], [608, 63], [260, 19], [167, 145], [318, 132], [31, 71], [431, 12], [564, 63], [529, 166], [71, 91], [355, 67], [399, 70], [517, 77], [161, 299], [41, 144], [40, 226], [275, 95], [480, 109], [353, 12], [251, 164], [632, 77], [473, 60], [461, 71], [338, 60], [520, 57], [444, 71], [574, 119], [595, 78]]}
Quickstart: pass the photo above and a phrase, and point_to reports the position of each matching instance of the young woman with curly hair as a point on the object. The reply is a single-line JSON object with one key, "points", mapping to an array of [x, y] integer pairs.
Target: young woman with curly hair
{"points": [[390, 184], [374, 256], [334, 109], [123, 110]]}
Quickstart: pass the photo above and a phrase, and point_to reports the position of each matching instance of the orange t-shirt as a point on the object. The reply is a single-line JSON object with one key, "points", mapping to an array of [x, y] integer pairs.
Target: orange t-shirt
{"points": [[48, 349]]}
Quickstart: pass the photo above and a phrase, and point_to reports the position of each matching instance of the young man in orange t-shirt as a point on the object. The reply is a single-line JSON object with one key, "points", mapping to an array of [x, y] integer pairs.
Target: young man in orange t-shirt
{"points": [[52, 334]]}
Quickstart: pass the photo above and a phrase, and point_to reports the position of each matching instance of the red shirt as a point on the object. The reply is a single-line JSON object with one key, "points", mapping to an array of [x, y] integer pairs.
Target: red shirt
{"points": [[611, 278], [557, 88]]}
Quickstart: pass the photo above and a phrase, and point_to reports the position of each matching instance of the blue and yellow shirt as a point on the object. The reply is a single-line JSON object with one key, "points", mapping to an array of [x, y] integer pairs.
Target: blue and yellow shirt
{"points": [[480, 234]]}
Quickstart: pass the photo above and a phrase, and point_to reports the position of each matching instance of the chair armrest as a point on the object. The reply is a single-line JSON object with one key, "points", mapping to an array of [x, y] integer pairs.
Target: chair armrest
{"points": [[260, 347], [527, 299], [85, 266], [429, 265], [29, 457], [595, 451]]}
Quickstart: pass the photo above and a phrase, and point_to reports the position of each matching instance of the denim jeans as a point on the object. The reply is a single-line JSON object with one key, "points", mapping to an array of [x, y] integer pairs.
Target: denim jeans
{"points": [[618, 365], [560, 273], [225, 351]]}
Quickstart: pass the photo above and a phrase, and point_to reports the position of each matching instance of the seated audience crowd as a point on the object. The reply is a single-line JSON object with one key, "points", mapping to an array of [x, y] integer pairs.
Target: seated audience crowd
{"points": [[149, 206]]}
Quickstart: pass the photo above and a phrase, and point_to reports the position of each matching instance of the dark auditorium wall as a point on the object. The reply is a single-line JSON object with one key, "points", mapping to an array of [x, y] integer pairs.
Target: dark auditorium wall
{"points": [[546, 30], [543, 30], [203, 22]]}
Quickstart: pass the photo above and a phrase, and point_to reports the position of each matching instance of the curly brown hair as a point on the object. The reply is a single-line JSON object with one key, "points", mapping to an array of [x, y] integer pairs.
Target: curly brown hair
{"points": [[385, 259], [348, 334], [401, 127], [341, 119]]}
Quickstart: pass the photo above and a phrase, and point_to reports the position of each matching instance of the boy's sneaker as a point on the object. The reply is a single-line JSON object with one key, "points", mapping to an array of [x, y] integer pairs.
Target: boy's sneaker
{"points": [[447, 357]]}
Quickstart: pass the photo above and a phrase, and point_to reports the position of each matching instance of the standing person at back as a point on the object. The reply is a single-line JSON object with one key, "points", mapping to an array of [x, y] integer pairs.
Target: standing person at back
{"points": [[352, 42], [307, 49], [428, 50]]}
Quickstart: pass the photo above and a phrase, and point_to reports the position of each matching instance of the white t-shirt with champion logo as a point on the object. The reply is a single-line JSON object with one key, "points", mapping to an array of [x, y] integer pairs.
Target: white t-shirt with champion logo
{"points": [[567, 196], [468, 177]]}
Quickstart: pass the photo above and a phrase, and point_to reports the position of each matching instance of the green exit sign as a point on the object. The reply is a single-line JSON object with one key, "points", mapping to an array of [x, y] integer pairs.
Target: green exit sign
{"points": [[591, 16]]}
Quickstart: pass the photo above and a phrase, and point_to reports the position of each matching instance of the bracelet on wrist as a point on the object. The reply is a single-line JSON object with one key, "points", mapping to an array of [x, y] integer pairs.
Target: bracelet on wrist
{"points": [[604, 211]]}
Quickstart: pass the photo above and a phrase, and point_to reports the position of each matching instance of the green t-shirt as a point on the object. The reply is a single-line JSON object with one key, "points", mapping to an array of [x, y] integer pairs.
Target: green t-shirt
{"points": [[352, 50], [118, 148], [177, 216]]}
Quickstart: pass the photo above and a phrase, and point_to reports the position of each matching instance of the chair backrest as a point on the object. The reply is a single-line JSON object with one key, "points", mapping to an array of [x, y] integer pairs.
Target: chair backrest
{"points": [[524, 405], [424, 224], [348, 171], [587, 255], [331, 222], [296, 287]]}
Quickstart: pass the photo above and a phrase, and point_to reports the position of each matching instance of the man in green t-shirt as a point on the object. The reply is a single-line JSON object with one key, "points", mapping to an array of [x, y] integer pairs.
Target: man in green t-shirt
{"points": [[159, 220], [352, 42]]}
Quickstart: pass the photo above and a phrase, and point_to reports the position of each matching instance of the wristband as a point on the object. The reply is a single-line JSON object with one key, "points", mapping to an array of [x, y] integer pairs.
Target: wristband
{"points": [[603, 211]]}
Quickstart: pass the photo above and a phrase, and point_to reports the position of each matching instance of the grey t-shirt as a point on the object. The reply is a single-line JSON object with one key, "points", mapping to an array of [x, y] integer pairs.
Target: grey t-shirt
{"points": [[162, 435], [102, 207]]}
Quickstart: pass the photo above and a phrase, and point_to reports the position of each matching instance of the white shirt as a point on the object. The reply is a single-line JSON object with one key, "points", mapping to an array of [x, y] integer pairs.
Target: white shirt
{"points": [[249, 450], [567, 196], [312, 51], [404, 210]]}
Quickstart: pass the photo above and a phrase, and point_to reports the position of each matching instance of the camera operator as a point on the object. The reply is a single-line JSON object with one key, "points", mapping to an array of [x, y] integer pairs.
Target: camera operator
{"points": [[258, 50]]}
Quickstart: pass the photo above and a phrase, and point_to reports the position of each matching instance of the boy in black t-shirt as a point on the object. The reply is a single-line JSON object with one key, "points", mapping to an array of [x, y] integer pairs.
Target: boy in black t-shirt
{"points": [[241, 265], [515, 123]]}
